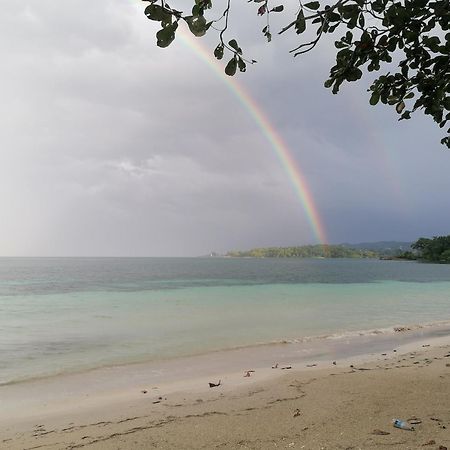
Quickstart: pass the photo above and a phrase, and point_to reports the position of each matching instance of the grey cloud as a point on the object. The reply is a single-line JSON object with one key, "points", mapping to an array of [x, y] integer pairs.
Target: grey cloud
{"points": [[113, 146]]}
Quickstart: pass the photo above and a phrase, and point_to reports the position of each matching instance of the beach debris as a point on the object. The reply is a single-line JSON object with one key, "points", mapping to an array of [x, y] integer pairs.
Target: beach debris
{"points": [[384, 354], [430, 442], [447, 365], [435, 419], [414, 421], [248, 373], [275, 366], [425, 345], [297, 413], [211, 385], [398, 423], [311, 365], [334, 363], [395, 351], [159, 400], [380, 432], [144, 391], [441, 447], [401, 329], [286, 367]]}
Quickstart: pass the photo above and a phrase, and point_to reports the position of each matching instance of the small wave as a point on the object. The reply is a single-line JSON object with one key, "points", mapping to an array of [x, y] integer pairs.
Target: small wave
{"points": [[391, 330], [400, 328]]}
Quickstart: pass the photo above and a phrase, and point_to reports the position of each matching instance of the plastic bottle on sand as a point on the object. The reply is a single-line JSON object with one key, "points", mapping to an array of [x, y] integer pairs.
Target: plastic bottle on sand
{"points": [[402, 425]]}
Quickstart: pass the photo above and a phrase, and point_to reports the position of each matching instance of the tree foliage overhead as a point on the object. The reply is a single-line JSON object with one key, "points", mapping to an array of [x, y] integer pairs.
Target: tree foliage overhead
{"points": [[411, 36]]}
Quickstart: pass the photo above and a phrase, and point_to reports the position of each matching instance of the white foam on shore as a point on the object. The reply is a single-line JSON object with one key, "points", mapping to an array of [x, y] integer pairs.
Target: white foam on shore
{"points": [[391, 330], [371, 332]]}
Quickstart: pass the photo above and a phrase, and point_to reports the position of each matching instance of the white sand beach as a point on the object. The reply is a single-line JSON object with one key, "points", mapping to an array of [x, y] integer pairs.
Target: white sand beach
{"points": [[317, 403]]}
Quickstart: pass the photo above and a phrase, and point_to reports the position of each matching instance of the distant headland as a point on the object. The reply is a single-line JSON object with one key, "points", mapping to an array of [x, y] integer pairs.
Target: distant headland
{"points": [[373, 250], [436, 249]]}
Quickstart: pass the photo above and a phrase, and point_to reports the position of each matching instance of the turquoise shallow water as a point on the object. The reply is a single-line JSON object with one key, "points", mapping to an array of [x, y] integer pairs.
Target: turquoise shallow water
{"points": [[59, 315]]}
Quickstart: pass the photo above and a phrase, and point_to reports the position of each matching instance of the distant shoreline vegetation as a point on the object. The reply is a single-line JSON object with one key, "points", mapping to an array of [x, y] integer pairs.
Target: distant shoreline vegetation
{"points": [[436, 250], [305, 251]]}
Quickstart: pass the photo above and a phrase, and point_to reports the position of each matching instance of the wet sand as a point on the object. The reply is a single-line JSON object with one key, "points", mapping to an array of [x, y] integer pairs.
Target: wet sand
{"points": [[315, 404]]}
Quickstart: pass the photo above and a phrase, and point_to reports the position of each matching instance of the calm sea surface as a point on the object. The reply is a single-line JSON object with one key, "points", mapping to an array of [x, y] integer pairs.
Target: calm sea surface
{"points": [[66, 314]]}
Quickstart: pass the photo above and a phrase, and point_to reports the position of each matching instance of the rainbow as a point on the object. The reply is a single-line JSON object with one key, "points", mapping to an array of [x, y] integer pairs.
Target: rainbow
{"points": [[280, 148]]}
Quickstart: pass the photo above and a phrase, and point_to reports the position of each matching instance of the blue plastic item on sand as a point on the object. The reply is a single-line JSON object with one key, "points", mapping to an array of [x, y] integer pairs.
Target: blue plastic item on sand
{"points": [[402, 425]]}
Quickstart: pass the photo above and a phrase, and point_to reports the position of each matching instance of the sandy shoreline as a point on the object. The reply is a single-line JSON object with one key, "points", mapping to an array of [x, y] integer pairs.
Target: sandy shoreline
{"points": [[338, 406]]}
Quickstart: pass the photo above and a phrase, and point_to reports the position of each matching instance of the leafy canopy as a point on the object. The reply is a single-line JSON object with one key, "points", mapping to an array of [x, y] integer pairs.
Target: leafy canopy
{"points": [[436, 249], [413, 32]]}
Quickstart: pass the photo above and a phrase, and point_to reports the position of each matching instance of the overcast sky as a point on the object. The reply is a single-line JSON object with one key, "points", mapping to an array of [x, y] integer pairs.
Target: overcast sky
{"points": [[112, 146]]}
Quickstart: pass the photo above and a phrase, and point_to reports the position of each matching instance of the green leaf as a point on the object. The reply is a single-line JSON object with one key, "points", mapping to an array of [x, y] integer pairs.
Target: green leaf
{"points": [[197, 11], [197, 25], [353, 74], [361, 21], [218, 52], [333, 17], [241, 64], [446, 103], [374, 98], [166, 35], [300, 23], [312, 5], [231, 67], [233, 44], [383, 41], [406, 115], [155, 12], [400, 107], [392, 100], [446, 141], [348, 37], [277, 8]]}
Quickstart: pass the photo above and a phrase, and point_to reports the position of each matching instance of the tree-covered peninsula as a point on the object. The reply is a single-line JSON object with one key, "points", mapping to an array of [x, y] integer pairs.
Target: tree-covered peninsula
{"points": [[305, 251], [436, 250]]}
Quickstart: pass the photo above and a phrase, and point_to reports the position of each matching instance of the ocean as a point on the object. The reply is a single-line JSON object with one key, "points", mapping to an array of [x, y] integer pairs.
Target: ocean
{"points": [[61, 315]]}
